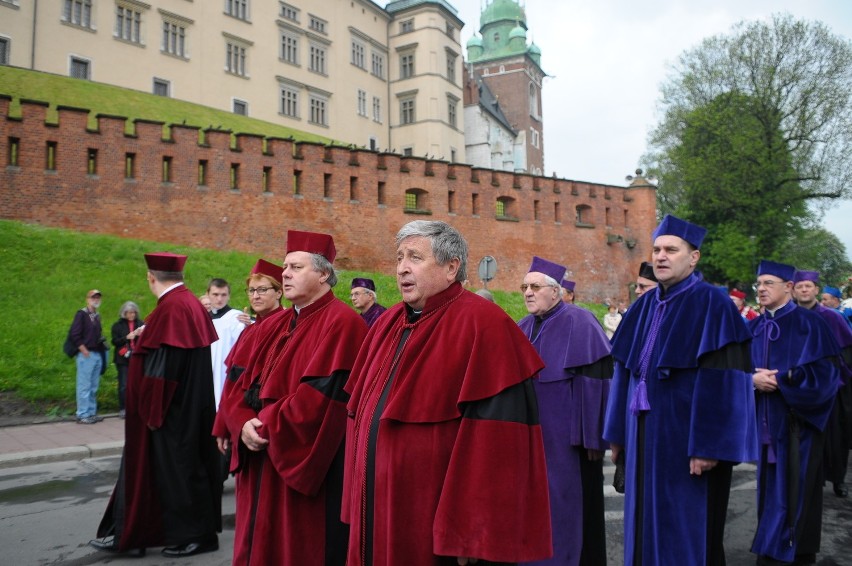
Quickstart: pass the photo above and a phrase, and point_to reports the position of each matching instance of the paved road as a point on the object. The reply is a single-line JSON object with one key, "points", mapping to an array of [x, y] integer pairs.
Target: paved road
{"points": [[49, 511]]}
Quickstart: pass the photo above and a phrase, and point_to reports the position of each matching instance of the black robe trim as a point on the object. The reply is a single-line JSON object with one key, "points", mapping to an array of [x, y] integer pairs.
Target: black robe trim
{"points": [[155, 364], [601, 369], [517, 404], [331, 386], [734, 355]]}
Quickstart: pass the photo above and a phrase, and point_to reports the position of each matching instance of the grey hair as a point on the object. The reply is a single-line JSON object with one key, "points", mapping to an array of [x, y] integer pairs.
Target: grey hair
{"points": [[447, 242], [128, 306], [322, 265]]}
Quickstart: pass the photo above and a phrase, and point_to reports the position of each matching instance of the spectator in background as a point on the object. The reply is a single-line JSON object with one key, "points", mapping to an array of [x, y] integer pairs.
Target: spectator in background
{"points": [[746, 311], [205, 302], [611, 320], [86, 334], [124, 334], [228, 327], [831, 299], [363, 297]]}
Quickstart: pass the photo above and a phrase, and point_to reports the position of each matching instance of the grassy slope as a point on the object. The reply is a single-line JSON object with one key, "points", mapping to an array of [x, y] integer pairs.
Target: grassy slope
{"points": [[133, 104], [47, 271]]}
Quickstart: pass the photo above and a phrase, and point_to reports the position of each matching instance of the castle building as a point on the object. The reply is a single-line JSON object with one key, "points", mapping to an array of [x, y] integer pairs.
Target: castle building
{"points": [[380, 78], [503, 82]]}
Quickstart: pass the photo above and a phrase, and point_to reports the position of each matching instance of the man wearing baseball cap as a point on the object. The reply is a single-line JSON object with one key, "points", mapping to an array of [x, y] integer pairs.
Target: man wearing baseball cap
{"points": [[86, 336]]}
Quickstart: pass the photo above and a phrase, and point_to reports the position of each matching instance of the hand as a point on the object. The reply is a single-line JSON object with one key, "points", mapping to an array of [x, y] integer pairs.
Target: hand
{"points": [[699, 465], [250, 438], [616, 450], [764, 380], [594, 455], [84, 351], [463, 561], [222, 444], [245, 318]]}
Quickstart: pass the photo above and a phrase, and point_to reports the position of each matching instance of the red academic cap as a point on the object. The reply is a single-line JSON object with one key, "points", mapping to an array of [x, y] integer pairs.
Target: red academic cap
{"points": [[311, 242], [738, 294], [165, 261], [263, 267]]}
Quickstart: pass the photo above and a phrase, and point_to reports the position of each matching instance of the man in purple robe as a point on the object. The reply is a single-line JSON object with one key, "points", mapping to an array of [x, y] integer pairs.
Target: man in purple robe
{"points": [[838, 433], [681, 406], [363, 297], [796, 380], [572, 392]]}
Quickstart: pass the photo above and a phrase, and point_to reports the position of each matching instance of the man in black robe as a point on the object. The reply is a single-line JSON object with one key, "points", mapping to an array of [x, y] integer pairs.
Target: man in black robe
{"points": [[169, 489]]}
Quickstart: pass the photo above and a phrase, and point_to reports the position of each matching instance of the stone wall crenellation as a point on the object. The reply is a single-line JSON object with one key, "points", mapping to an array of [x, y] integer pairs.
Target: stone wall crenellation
{"points": [[216, 189]]}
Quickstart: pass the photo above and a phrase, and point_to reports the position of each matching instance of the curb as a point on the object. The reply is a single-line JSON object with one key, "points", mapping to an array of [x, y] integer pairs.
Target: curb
{"points": [[80, 452]]}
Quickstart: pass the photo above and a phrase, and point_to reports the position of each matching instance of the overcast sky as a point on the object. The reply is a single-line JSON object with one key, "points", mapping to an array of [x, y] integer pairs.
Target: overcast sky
{"points": [[606, 61]]}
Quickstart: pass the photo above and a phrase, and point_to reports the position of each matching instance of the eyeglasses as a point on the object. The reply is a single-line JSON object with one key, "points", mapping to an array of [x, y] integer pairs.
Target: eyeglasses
{"points": [[643, 286], [259, 290], [534, 286], [768, 284], [356, 294]]}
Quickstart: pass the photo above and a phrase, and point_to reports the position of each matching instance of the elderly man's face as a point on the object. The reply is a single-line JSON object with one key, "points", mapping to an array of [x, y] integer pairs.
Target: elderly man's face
{"points": [[830, 301], [806, 293], [302, 283], [418, 274], [772, 291], [539, 297], [673, 260], [643, 285], [361, 298]]}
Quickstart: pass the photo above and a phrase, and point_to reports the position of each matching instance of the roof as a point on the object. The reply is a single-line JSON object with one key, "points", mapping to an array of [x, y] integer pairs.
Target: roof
{"points": [[490, 104], [500, 10], [399, 5]]}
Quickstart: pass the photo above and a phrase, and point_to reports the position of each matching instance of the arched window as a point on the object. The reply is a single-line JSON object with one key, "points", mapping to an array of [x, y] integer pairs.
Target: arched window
{"points": [[416, 201], [533, 100], [584, 215], [506, 208]]}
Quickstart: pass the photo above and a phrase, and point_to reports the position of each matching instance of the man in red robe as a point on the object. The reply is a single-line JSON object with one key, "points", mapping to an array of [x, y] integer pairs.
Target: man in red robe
{"points": [[289, 421], [444, 453], [169, 489]]}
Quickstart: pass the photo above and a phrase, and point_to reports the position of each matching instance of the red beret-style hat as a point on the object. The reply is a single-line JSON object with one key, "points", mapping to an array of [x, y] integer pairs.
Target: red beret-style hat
{"points": [[737, 294], [263, 267], [165, 261], [311, 242]]}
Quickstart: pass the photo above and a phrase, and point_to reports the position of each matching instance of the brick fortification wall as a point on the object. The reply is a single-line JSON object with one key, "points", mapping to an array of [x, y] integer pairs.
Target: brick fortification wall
{"points": [[357, 195]]}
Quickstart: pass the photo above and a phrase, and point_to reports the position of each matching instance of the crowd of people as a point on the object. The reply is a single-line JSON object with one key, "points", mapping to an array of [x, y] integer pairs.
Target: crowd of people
{"points": [[439, 431]]}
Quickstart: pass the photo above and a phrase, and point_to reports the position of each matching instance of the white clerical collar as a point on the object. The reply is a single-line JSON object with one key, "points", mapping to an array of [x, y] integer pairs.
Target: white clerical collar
{"points": [[160, 296]]}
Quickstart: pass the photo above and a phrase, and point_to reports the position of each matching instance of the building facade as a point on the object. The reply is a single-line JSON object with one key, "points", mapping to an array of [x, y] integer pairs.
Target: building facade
{"points": [[382, 78]]}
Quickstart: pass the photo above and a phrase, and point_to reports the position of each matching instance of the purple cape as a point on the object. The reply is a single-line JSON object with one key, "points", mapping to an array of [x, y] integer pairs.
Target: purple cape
{"points": [[701, 400], [372, 313]]}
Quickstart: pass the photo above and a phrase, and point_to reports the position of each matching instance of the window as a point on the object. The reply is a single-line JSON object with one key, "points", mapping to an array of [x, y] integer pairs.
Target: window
{"points": [[326, 185], [406, 26], [237, 9], [5, 44], [451, 30], [14, 151], [240, 107], [318, 111], [379, 65], [297, 182], [78, 12], [362, 103], [167, 169], [406, 63], [584, 214], [174, 39], [533, 101], [380, 193], [50, 162], [162, 87], [535, 210], [202, 172], [374, 144], [129, 165], [79, 68], [377, 109], [266, 179], [452, 155], [452, 108], [451, 202], [416, 200], [407, 151], [290, 48], [500, 209], [317, 62], [128, 24], [451, 67], [407, 111], [235, 60], [289, 12], [505, 208], [535, 139], [359, 57], [474, 204], [235, 177], [318, 24], [289, 102], [91, 161]]}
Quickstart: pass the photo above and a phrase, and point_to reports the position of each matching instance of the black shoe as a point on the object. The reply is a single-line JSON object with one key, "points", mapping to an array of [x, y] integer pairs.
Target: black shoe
{"points": [[840, 490], [97, 418], [87, 420], [109, 545], [191, 548]]}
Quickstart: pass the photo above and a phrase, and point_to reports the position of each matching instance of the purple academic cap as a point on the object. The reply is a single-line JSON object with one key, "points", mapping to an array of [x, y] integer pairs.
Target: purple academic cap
{"points": [[674, 226], [553, 270], [802, 275], [363, 282], [780, 270], [568, 285]]}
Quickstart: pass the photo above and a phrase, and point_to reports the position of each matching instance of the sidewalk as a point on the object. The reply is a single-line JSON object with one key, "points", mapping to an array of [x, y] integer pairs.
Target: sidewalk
{"points": [[28, 444]]}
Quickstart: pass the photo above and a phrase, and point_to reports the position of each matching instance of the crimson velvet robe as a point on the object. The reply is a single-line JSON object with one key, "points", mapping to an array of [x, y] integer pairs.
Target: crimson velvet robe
{"points": [[701, 398], [288, 495], [169, 490], [444, 449], [798, 343], [572, 393]]}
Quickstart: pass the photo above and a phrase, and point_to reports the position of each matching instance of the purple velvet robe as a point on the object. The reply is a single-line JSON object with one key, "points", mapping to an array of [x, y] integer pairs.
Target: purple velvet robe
{"points": [[572, 392], [701, 399], [372, 313], [798, 343]]}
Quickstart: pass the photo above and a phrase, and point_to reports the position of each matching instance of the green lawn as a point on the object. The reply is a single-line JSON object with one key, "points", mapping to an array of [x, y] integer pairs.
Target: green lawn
{"points": [[47, 271], [105, 99]]}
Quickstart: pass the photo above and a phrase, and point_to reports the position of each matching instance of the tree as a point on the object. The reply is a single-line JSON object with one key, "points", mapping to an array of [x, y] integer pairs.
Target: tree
{"points": [[820, 250], [756, 128]]}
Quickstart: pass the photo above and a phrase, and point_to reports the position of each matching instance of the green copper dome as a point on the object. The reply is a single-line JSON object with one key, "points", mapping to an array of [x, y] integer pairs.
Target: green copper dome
{"points": [[501, 10], [474, 41], [534, 49], [518, 31]]}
